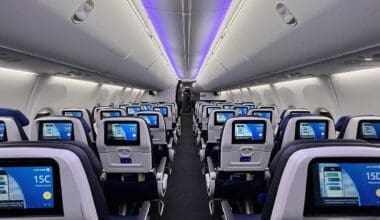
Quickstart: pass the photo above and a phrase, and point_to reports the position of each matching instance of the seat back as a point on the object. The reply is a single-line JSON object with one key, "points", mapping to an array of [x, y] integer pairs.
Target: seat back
{"points": [[287, 112], [325, 180], [205, 115], [80, 113], [303, 127], [228, 106], [49, 181], [246, 144], [263, 113], [216, 122], [61, 128], [156, 124], [124, 145], [241, 110], [361, 127], [109, 113], [12, 122], [147, 106], [133, 109], [167, 113]]}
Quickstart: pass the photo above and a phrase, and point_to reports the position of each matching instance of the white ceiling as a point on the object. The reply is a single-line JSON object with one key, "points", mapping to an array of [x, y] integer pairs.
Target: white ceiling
{"points": [[259, 43], [110, 42], [113, 44]]}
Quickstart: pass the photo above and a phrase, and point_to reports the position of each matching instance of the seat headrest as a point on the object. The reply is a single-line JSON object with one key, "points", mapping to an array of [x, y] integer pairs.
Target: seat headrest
{"points": [[67, 161], [302, 182], [262, 113], [11, 130], [153, 118], [61, 128], [366, 127], [305, 126], [219, 117], [16, 115], [342, 122], [109, 112], [287, 112]]}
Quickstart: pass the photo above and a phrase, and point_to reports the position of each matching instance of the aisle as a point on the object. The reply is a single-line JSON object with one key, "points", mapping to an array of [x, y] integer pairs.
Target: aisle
{"points": [[186, 197]]}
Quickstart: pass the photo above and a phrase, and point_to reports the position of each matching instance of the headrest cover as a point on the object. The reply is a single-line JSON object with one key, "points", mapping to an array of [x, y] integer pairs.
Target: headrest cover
{"points": [[342, 121], [16, 114]]}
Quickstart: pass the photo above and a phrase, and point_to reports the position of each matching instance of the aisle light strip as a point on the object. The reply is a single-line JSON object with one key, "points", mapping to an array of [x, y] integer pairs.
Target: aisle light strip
{"points": [[157, 23], [2, 69], [226, 4]]}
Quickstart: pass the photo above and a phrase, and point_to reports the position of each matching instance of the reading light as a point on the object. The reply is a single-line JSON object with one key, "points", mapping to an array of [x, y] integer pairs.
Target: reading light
{"points": [[83, 12], [368, 59]]}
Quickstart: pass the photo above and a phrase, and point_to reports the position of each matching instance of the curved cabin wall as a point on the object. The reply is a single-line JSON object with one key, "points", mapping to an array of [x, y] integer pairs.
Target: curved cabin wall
{"points": [[351, 93], [31, 93]]}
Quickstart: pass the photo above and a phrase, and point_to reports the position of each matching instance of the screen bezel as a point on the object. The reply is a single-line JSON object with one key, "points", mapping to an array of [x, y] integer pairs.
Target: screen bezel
{"points": [[359, 134], [235, 141], [121, 143], [310, 210], [107, 111], [5, 132], [299, 112], [76, 111], [221, 123], [132, 107], [271, 114], [297, 135], [158, 109], [40, 212], [150, 114], [213, 107], [236, 107], [40, 130]]}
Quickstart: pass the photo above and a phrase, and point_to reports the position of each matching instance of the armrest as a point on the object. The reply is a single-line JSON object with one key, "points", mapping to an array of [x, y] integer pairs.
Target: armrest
{"points": [[170, 143], [217, 139], [211, 168], [144, 210], [227, 211], [161, 169], [203, 143]]}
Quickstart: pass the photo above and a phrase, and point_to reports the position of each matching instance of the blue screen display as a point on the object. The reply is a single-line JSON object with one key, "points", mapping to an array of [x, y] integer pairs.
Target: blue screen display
{"points": [[57, 131], [162, 110], [312, 130], [122, 131], [221, 117], [228, 107], [147, 107], [347, 184], [76, 114], [241, 110], [3, 133], [249, 131], [26, 187], [210, 109], [110, 114], [132, 110], [263, 114], [151, 120], [369, 130], [251, 106]]}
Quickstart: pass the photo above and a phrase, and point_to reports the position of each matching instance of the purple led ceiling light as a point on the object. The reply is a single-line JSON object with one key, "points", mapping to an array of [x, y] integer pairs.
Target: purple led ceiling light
{"points": [[156, 17]]}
